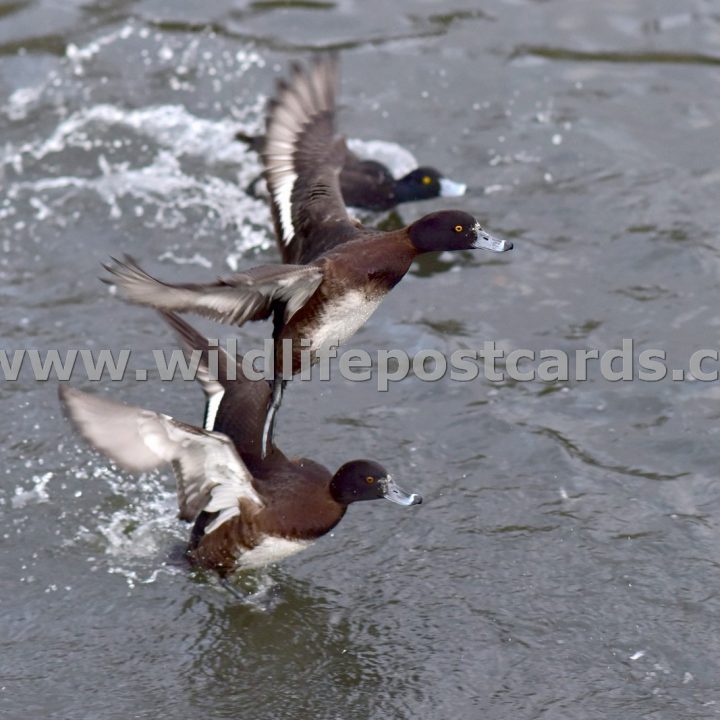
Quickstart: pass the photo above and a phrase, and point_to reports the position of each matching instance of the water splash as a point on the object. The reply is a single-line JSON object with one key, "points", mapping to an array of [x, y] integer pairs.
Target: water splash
{"points": [[397, 159], [134, 528], [36, 494], [165, 165], [163, 189]]}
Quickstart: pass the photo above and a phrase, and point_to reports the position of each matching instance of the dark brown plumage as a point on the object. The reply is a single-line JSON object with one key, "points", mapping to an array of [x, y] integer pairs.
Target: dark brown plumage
{"points": [[247, 510], [364, 184], [351, 267]]}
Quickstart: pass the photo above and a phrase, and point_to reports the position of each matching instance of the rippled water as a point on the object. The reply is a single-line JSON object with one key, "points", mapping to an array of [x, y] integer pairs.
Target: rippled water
{"points": [[565, 562]]}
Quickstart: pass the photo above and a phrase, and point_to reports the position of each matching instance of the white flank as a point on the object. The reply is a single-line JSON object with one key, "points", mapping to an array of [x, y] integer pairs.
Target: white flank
{"points": [[271, 550], [343, 318]]}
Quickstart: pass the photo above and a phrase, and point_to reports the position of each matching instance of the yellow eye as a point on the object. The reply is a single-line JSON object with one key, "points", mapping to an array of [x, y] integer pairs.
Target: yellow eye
{"points": [[369, 479], [426, 180], [459, 228]]}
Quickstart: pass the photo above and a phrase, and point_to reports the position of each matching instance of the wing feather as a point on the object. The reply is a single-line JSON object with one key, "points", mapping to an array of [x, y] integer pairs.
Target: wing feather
{"points": [[244, 296], [303, 158], [210, 475]]}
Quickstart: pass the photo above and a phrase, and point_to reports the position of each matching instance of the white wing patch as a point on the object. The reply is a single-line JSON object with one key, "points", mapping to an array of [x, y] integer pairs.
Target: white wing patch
{"points": [[233, 300], [310, 94], [208, 464], [212, 407], [224, 501], [280, 144], [282, 197], [161, 438], [210, 474], [227, 486]]}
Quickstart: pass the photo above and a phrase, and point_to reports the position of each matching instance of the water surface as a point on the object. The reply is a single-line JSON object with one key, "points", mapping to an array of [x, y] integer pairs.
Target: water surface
{"points": [[565, 562]]}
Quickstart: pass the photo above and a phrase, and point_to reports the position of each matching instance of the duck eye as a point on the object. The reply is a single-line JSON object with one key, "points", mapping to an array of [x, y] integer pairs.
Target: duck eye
{"points": [[458, 228], [426, 180], [369, 479]]}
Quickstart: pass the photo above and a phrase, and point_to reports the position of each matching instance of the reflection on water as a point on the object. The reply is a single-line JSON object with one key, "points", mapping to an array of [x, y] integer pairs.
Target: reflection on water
{"points": [[555, 53]]}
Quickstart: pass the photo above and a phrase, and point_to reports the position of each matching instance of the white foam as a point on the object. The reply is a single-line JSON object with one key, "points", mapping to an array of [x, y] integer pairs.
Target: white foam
{"points": [[36, 494], [143, 527], [397, 159], [195, 259], [162, 190], [170, 126], [138, 156]]}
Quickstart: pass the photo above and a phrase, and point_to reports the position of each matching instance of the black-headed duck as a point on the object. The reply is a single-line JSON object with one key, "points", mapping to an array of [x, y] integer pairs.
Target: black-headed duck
{"points": [[353, 267], [247, 511]]}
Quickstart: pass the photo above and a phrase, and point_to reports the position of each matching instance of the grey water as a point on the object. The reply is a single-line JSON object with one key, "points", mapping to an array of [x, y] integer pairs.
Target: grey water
{"points": [[566, 561]]}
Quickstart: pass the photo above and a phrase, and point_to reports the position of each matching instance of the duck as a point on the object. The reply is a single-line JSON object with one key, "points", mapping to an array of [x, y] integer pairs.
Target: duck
{"points": [[247, 511], [342, 269], [365, 184], [370, 185]]}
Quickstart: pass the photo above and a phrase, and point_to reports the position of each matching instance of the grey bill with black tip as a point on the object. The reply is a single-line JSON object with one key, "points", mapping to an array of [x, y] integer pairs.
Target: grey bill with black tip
{"points": [[450, 188], [395, 494], [485, 241]]}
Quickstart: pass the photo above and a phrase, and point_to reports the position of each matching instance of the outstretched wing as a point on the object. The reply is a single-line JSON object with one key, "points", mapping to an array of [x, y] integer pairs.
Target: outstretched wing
{"points": [[210, 475], [248, 295], [303, 159], [235, 404]]}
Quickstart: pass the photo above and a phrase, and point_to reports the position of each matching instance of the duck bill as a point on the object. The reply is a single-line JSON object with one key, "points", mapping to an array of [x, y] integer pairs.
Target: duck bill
{"points": [[450, 188], [394, 494], [485, 241]]}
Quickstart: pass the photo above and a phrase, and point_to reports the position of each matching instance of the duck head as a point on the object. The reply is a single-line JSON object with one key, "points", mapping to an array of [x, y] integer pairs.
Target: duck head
{"points": [[424, 183], [453, 230], [367, 480]]}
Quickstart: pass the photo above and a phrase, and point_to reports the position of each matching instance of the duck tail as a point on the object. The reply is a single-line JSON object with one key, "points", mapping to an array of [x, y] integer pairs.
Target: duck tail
{"points": [[254, 142]]}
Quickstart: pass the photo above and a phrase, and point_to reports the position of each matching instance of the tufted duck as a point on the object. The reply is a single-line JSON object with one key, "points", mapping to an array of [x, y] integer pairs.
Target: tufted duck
{"points": [[350, 267], [247, 511], [365, 184]]}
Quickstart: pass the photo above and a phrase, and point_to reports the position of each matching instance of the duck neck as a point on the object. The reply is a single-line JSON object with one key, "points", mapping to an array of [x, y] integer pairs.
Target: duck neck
{"points": [[404, 191], [336, 493]]}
